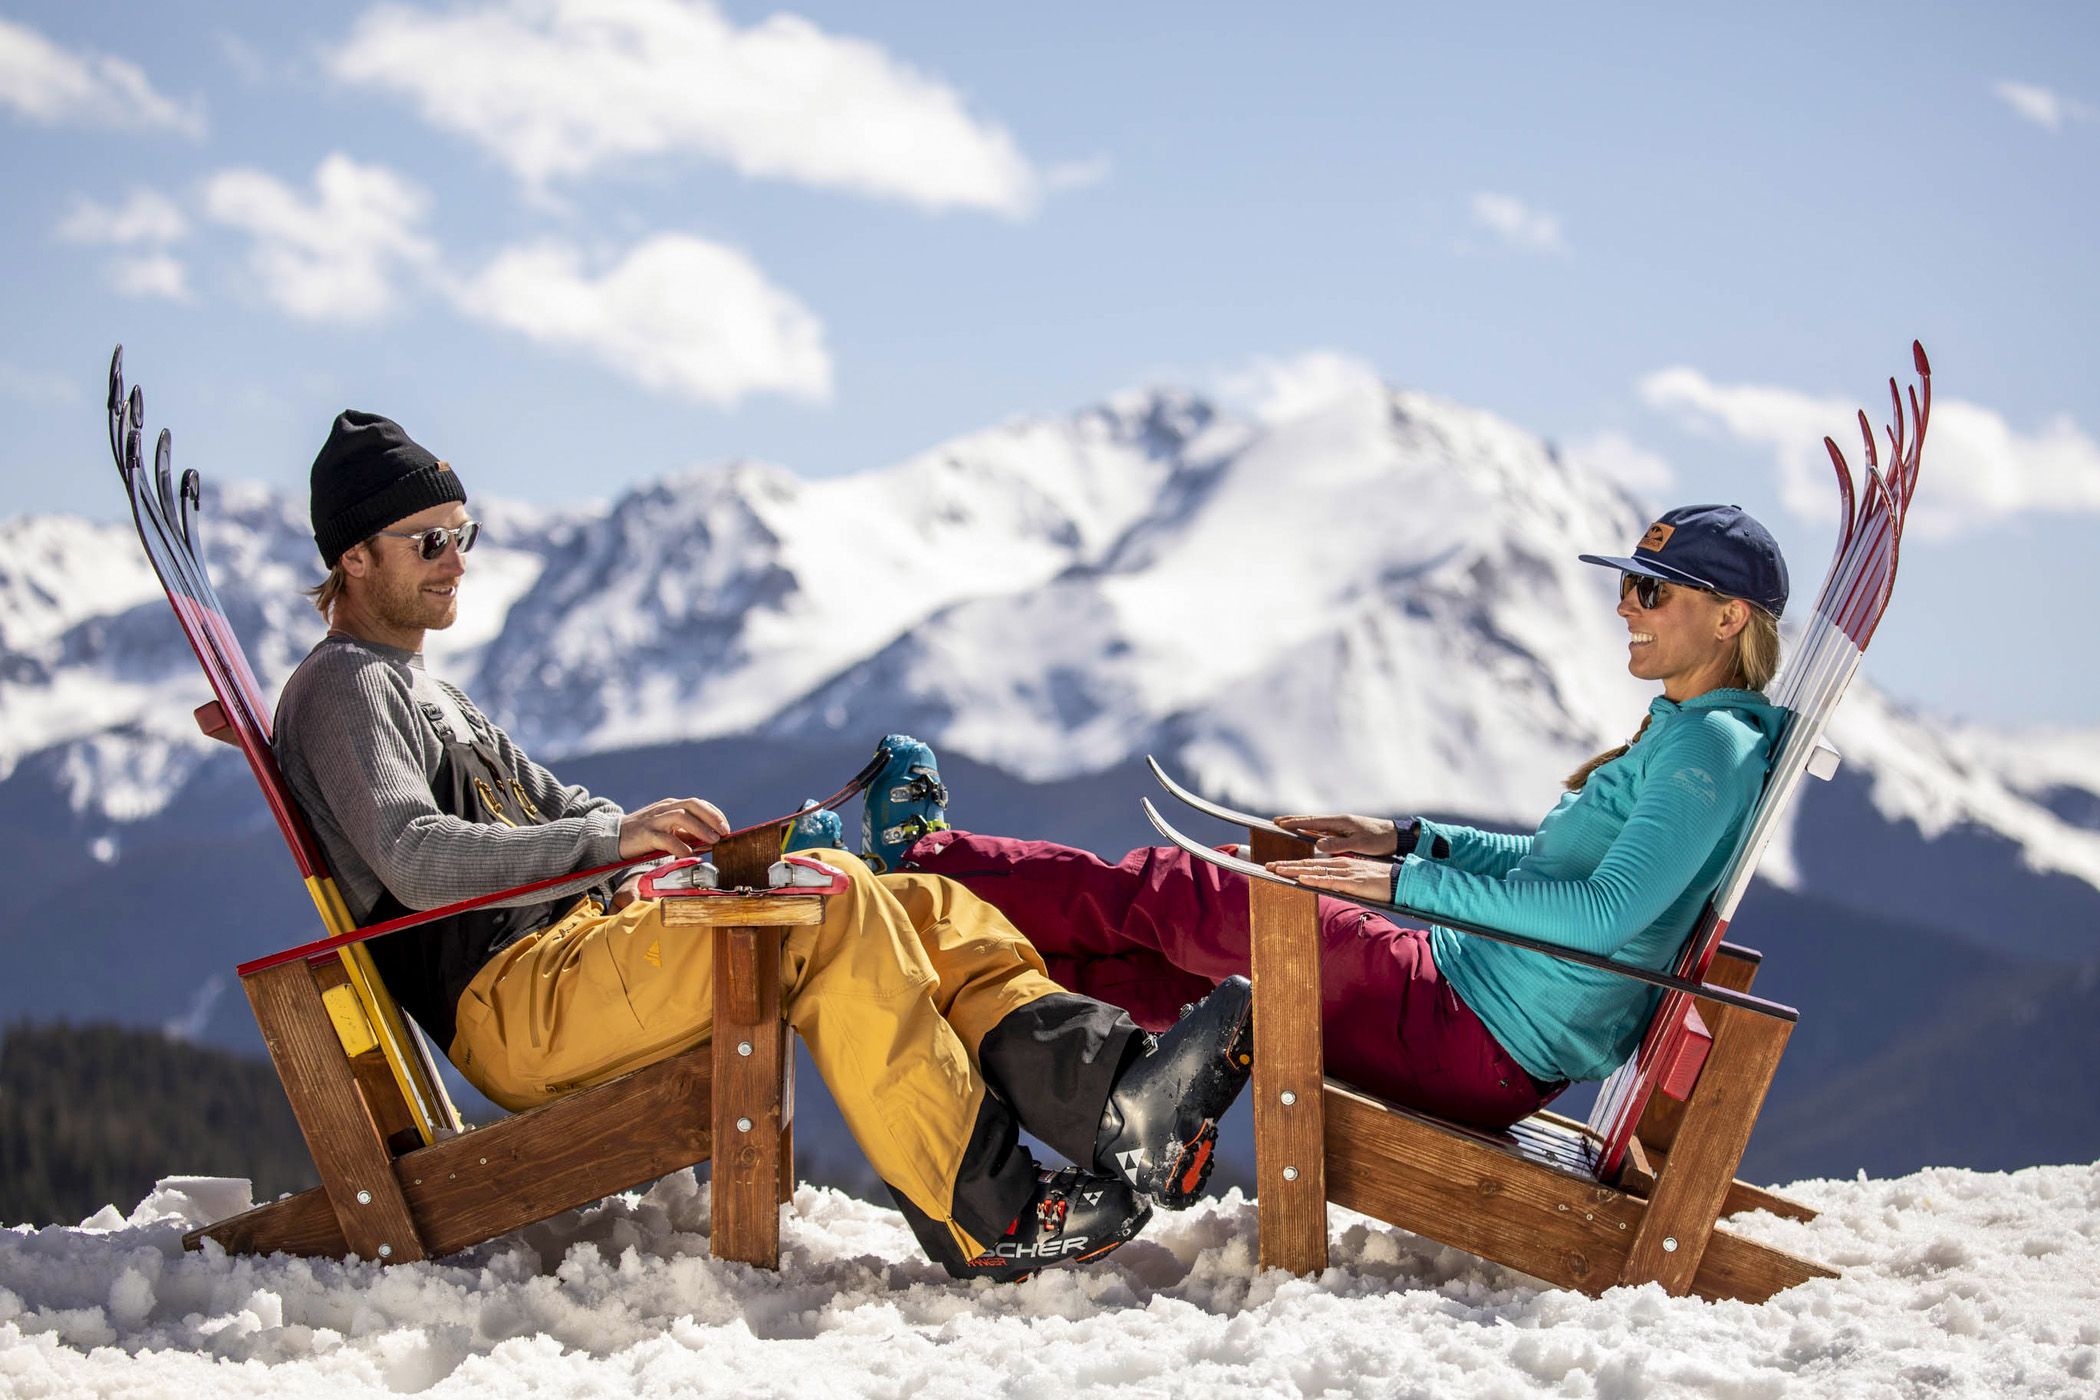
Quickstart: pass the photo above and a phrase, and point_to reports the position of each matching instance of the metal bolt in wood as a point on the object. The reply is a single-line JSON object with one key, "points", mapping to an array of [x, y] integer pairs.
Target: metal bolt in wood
{"points": [[743, 1047], [364, 1198], [1288, 1097], [743, 1125], [1290, 1173], [1669, 1244], [386, 1251]]}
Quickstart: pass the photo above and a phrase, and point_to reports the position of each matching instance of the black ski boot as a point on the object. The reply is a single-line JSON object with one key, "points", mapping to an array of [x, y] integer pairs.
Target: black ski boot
{"points": [[1074, 1217], [1161, 1125]]}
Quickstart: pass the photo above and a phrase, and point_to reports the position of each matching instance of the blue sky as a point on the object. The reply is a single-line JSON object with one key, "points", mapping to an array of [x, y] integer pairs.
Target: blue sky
{"points": [[574, 244]]}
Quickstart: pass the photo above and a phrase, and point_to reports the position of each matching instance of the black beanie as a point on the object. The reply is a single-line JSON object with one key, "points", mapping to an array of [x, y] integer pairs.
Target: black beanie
{"points": [[370, 474]]}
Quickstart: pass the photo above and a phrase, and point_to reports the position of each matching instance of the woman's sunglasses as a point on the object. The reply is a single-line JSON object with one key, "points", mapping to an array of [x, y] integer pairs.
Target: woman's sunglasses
{"points": [[1649, 591], [431, 543]]}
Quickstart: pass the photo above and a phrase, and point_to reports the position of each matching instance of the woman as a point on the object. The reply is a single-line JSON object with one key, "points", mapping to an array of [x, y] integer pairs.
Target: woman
{"points": [[1467, 1028]]}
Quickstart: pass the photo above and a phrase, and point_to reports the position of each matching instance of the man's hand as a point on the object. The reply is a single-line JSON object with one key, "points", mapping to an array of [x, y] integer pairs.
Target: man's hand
{"points": [[1366, 879], [1344, 835], [676, 825], [628, 891]]}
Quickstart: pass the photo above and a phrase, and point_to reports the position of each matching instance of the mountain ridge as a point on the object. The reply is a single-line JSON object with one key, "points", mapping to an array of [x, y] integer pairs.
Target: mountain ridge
{"points": [[1369, 596]]}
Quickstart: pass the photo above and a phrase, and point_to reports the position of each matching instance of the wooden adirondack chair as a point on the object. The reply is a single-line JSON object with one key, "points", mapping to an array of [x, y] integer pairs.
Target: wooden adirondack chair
{"points": [[401, 1177], [1633, 1195]]}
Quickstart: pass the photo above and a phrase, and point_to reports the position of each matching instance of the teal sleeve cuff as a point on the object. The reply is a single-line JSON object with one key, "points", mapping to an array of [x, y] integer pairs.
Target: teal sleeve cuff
{"points": [[1401, 883], [1431, 840]]}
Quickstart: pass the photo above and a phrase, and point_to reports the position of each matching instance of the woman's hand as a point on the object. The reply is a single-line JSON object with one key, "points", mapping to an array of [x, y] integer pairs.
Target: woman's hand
{"points": [[675, 825], [1368, 836], [1366, 879]]}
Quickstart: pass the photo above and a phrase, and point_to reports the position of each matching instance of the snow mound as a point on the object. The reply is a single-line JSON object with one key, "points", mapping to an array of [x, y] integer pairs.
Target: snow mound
{"points": [[1955, 1282]]}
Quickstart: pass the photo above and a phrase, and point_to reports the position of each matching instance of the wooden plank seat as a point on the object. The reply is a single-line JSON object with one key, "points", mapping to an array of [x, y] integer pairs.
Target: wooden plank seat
{"points": [[402, 1177], [1635, 1194]]}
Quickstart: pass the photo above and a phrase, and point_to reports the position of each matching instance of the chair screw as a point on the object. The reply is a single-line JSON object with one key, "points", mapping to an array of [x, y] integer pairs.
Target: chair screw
{"points": [[364, 1198], [386, 1251], [1290, 1173], [743, 1047], [1669, 1244], [1288, 1098], [743, 1125]]}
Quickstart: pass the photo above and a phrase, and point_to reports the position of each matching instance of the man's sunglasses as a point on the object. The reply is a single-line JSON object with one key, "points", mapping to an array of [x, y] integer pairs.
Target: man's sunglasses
{"points": [[1649, 591], [431, 543]]}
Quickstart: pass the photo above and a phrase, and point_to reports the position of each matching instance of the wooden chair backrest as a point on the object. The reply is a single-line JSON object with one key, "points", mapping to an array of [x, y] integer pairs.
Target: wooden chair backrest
{"points": [[166, 519], [1847, 610]]}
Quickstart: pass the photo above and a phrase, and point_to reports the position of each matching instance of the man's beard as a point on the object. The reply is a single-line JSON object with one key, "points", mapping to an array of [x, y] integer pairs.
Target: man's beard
{"points": [[402, 604]]}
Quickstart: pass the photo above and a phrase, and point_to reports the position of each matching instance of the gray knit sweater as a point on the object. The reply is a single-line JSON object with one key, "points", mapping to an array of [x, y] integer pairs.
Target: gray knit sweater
{"points": [[362, 761]]}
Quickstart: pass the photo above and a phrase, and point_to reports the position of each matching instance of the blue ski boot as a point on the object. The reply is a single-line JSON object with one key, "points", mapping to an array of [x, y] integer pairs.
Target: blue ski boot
{"points": [[904, 802], [817, 828]]}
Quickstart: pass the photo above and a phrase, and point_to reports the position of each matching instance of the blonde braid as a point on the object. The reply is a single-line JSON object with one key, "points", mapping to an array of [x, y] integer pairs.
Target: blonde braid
{"points": [[1582, 775]]}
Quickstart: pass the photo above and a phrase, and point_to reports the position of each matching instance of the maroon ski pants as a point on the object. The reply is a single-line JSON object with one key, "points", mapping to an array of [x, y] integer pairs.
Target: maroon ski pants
{"points": [[1159, 929]]}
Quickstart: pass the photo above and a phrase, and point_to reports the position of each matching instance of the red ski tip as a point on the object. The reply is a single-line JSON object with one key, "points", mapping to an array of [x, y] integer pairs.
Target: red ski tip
{"points": [[1917, 357]]}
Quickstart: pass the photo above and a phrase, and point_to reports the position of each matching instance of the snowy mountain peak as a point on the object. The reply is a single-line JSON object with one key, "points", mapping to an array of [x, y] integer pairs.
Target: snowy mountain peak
{"points": [[1312, 589]]}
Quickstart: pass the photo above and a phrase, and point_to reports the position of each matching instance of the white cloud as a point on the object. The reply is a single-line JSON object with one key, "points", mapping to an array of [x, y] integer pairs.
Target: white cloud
{"points": [[151, 275], [676, 314], [1977, 468], [2042, 106], [1617, 457], [55, 86], [1278, 390], [556, 88], [146, 217], [333, 256], [1518, 225]]}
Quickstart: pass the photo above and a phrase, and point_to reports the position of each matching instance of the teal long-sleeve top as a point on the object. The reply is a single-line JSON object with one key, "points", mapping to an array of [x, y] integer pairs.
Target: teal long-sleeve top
{"points": [[1621, 868]]}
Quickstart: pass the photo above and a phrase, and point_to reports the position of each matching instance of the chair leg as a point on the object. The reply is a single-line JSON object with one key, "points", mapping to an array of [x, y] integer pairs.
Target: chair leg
{"points": [[751, 1049], [1290, 1138], [1735, 969], [1696, 1176], [349, 1149], [375, 1077]]}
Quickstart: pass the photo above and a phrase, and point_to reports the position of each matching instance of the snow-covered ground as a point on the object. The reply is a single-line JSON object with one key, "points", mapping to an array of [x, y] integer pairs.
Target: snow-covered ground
{"points": [[1955, 1284]]}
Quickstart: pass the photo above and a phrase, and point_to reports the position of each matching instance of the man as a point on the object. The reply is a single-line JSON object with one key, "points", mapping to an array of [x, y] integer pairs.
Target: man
{"points": [[930, 1018]]}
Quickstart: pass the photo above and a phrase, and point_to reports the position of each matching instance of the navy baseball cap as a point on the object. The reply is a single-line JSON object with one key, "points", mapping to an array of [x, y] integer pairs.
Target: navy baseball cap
{"points": [[1722, 548]]}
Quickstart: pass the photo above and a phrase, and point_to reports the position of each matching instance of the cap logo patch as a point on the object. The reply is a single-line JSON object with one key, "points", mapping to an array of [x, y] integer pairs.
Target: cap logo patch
{"points": [[447, 466], [1658, 535]]}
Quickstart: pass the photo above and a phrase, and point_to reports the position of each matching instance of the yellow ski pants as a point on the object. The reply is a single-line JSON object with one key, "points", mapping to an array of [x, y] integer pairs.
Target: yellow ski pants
{"points": [[892, 992]]}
